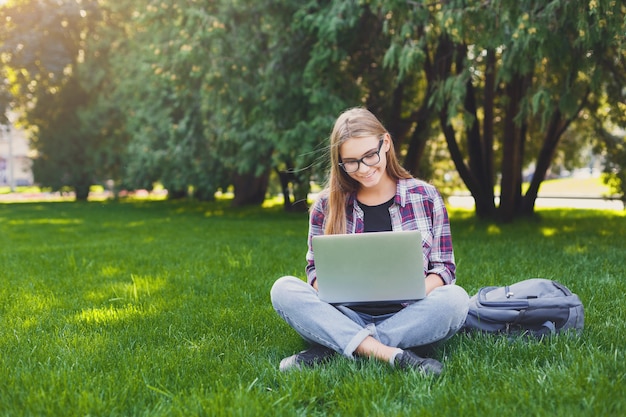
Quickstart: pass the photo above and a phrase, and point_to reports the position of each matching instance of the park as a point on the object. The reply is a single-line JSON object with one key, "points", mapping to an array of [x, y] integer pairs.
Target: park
{"points": [[162, 308], [169, 153]]}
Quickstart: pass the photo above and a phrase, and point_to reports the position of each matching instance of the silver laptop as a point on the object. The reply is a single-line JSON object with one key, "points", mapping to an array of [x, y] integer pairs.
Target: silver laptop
{"points": [[367, 268]]}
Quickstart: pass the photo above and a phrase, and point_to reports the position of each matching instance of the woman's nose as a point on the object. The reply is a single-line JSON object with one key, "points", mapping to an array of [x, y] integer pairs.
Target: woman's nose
{"points": [[363, 168]]}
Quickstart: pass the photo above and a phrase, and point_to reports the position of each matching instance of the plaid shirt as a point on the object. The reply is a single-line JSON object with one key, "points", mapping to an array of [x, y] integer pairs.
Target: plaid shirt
{"points": [[417, 206]]}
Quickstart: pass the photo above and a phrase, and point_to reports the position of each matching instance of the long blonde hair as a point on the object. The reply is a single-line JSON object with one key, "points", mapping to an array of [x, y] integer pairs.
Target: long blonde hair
{"points": [[357, 122]]}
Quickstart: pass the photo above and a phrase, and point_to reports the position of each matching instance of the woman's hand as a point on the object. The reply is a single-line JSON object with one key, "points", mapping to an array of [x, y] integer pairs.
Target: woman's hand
{"points": [[433, 281]]}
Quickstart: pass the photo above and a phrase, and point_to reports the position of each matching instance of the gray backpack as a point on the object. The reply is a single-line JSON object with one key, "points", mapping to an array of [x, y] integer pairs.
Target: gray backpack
{"points": [[535, 307]]}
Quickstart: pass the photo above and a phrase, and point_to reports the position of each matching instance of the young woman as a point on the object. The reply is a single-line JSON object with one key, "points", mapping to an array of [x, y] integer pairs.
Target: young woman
{"points": [[368, 191]]}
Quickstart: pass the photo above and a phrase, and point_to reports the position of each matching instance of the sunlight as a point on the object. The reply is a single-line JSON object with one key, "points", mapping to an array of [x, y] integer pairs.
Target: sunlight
{"points": [[110, 314], [139, 288], [494, 229], [34, 304], [273, 201], [110, 271], [549, 231], [128, 293], [45, 221]]}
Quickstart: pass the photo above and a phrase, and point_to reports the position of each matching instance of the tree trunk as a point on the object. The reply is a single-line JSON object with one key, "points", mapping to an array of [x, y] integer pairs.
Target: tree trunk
{"points": [[176, 194], [301, 188], [250, 189], [81, 191], [296, 196], [558, 125], [417, 143], [474, 142], [544, 160], [483, 198], [438, 70], [204, 193], [394, 122], [481, 158], [512, 151], [284, 178], [488, 121]]}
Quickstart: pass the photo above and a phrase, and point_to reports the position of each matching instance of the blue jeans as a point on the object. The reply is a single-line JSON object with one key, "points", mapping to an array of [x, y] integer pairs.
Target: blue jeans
{"points": [[424, 323]]}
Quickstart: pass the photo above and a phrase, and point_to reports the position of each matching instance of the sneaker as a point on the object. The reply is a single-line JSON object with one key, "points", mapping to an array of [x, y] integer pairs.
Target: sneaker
{"points": [[409, 360], [314, 355]]}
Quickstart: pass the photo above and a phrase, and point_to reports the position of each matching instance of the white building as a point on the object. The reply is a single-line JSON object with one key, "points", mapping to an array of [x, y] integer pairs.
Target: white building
{"points": [[15, 163]]}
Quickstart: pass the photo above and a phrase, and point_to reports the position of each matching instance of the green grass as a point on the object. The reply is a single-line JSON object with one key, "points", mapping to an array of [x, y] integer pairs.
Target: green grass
{"points": [[162, 309], [575, 187]]}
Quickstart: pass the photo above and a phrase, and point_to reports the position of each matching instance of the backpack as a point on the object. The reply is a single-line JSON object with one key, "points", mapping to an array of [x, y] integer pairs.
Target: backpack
{"points": [[535, 307]]}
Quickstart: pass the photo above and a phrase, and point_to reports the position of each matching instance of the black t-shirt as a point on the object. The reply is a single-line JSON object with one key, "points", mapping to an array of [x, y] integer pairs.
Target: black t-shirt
{"points": [[377, 219]]}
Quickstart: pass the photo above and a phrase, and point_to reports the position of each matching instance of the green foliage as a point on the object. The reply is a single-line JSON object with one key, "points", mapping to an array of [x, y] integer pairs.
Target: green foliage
{"points": [[162, 99], [615, 174], [207, 93], [214, 102], [41, 41], [505, 87], [57, 69], [61, 141], [162, 308]]}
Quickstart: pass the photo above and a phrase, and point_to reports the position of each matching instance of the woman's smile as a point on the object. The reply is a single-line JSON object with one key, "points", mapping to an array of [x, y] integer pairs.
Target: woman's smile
{"points": [[368, 176]]}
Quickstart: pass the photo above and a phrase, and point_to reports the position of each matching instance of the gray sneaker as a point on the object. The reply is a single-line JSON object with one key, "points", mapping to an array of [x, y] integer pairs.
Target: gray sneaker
{"points": [[314, 355], [427, 366]]}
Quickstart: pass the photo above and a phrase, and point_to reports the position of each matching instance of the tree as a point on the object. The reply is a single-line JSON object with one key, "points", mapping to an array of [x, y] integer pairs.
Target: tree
{"points": [[503, 81], [166, 61], [489, 73], [64, 156], [332, 58], [194, 99], [44, 51], [217, 93], [234, 92]]}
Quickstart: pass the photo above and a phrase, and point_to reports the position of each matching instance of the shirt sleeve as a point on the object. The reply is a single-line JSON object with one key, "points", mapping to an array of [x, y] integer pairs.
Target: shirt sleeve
{"points": [[441, 257], [316, 227]]}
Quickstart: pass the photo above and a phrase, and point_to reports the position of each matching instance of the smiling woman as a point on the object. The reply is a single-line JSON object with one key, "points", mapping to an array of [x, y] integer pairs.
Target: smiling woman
{"points": [[369, 191]]}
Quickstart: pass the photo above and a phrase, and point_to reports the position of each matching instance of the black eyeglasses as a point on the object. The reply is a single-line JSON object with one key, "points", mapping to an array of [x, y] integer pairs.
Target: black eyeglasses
{"points": [[371, 159]]}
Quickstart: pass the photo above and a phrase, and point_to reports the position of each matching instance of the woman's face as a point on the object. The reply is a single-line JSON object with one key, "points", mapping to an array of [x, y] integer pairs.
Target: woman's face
{"points": [[365, 159]]}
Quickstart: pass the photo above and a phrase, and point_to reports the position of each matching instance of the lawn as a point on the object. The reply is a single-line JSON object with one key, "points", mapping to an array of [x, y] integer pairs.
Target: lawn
{"points": [[575, 187], [162, 309]]}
